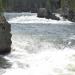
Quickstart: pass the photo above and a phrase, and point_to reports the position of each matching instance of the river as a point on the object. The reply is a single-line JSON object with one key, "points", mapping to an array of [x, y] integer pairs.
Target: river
{"points": [[39, 46]]}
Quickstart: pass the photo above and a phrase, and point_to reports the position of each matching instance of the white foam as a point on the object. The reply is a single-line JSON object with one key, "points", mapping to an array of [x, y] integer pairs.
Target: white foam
{"points": [[46, 63], [35, 19]]}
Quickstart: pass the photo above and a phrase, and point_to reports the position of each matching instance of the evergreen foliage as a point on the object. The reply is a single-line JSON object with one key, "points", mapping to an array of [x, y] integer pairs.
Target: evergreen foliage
{"points": [[2, 6], [69, 3], [32, 5]]}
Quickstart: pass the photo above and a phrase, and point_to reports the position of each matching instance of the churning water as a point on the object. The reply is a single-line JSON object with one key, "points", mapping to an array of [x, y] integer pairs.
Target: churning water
{"points": [[39, 46]]}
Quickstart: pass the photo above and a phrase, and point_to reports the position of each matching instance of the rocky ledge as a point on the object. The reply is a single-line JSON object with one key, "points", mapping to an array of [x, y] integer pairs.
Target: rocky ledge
{"points": [[44, 13], [65, 13], [70, 15], [5, 36]]}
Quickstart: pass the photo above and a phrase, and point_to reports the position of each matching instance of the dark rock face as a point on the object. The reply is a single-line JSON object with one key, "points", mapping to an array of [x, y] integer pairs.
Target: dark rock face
{"points": [[44, 13], [5, 36], [71, 16], [67, 14]]}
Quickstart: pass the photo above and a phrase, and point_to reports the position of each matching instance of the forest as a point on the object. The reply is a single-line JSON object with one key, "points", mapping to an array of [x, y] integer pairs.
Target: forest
{"points": [[34, 5], [25, 5]]}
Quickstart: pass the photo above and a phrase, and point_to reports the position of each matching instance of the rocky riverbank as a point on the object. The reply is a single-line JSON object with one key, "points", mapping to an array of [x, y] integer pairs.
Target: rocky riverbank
{"points": [[44, 13], [66, 14], [5, 36]]}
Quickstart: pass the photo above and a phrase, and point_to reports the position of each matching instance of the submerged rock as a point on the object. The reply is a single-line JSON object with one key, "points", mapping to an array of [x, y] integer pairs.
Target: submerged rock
{"points": [[5, 36]]}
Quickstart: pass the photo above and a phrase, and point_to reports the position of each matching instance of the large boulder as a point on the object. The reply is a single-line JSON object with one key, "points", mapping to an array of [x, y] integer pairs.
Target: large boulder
{"points": [[5, 36], [44, 13]]}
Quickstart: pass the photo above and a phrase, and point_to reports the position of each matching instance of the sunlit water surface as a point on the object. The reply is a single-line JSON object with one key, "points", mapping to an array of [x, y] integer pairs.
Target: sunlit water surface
{"points": [[39, 46]]}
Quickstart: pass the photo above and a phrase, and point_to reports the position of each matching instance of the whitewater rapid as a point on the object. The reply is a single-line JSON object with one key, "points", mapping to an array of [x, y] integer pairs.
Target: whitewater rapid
{"points": [[34, 53], [51, 61], [34, 19]]}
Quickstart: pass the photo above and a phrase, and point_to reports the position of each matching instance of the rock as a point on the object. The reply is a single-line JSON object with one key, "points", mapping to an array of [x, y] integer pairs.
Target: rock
{"points": [[44, 13], [67, 13], [52, 16], [71, 16], [5, 36]]}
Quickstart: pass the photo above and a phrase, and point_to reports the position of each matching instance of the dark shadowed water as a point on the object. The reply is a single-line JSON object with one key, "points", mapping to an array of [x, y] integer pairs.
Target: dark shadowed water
{"points": [[39, 46]]}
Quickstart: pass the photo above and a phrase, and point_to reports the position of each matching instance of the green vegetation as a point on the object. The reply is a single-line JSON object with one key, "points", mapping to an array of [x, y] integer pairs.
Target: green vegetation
{"points": [[48, 5], [72, 4], [33, 5], [2, 6], [68, 3]]}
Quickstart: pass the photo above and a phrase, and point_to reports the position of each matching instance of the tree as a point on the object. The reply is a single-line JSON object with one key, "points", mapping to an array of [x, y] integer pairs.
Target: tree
{"points": [[2, 6], [68, 3], [48, 5]]}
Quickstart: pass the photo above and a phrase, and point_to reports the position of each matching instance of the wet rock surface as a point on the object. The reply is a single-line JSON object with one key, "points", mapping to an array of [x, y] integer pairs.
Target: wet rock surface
{"points": [[67, 13], [5, 36], [44, 13]]}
